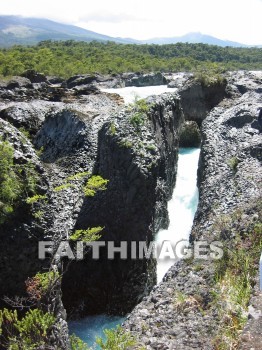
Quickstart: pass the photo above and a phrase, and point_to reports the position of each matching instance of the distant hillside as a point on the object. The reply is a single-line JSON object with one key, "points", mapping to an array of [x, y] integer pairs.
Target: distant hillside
{"points": [[194, 38], [30, 31], [16, 30]]}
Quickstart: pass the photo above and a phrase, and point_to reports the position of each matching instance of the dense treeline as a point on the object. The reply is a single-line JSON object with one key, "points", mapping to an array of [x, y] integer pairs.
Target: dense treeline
{"points": [[70, 57]]}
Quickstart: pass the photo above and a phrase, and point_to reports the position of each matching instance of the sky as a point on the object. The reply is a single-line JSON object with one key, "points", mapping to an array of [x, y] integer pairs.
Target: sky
{"points": [[235, 20]]}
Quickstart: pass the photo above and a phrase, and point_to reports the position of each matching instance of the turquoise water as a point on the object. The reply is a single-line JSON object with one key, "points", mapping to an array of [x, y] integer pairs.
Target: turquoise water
{"points": [[91, 327]]}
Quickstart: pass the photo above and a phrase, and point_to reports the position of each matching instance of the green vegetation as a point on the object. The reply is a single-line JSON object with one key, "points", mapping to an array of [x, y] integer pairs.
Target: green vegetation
{"points": [[63, 187], [234, 281], [38, 214], [25, 133], [210, 75], [68, 181], [116, 339], [112, 129], [28, 333], [77, 344], [151, 147], [68, 58], [16, 181], [78, 176], [41, 284], [89, 235], [183, 301], [124, 143], [94, 184], [139, 110], [233, 163], [40, 151], [35, 198]]}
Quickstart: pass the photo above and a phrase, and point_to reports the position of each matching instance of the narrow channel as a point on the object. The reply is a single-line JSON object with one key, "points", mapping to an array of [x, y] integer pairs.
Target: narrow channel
{"points": [[181, 209]]}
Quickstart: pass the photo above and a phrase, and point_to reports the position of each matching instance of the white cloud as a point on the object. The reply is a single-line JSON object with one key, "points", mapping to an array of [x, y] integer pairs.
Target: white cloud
{"points": [[109, 17], [237, 20]]}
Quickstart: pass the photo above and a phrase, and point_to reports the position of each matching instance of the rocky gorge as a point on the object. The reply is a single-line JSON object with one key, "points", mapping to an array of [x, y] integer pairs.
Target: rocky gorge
{"points": [[67, 128]]}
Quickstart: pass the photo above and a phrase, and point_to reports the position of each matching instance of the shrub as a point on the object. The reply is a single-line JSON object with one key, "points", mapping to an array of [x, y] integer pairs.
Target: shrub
{"points": [[78, 176], [94, 184], [41, 284], [210, 75], [125, 143], [33, 328], [139, 110], [25, 133], [77, 344], [116, 339], [68, 184], [31, 332], [16, 181], [112, 128], [35, 198], [233, 163], [89, 235], [63, 187]]}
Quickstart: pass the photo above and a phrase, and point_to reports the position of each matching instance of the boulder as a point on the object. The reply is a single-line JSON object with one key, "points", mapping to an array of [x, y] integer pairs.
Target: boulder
{"points": [[79, 80], [19, 82], [34, 76], [140, 80]]}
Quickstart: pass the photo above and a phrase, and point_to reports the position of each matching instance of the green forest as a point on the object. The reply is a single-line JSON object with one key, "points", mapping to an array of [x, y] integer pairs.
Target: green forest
{"points": [[67, 58]]}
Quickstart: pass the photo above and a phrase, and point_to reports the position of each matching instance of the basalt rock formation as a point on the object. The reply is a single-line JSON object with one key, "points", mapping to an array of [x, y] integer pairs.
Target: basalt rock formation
{"points": [[181, 312], [65, 131], [140, 164], [69, 128]]}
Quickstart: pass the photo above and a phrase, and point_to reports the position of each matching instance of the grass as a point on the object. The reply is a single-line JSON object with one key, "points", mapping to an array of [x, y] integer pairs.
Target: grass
{"points": [[234, 281]]}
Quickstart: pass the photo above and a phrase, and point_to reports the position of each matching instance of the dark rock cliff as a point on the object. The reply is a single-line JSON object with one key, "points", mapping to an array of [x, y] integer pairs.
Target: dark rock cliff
{"points": [[198, 99], [89, 133], [140, 166], [58, 139]]}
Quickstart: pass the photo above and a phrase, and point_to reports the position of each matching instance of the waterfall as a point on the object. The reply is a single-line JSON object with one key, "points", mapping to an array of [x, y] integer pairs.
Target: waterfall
{"points": [[182, 206]]}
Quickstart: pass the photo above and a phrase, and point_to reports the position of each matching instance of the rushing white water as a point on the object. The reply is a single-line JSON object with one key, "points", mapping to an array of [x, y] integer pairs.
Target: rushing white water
{"points": [[181, 210], [182, 206], [130, 93]]}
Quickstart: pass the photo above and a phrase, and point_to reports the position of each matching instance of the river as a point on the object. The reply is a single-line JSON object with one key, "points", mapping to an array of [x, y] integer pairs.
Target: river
{"points": [[181, 209]]}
